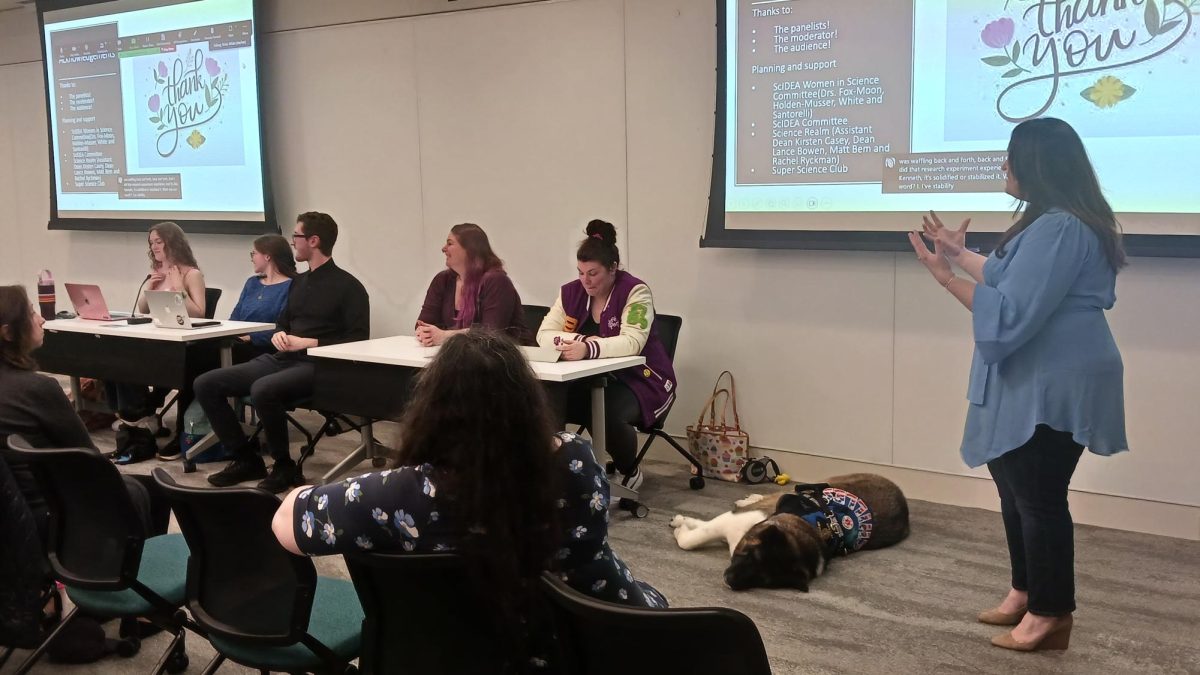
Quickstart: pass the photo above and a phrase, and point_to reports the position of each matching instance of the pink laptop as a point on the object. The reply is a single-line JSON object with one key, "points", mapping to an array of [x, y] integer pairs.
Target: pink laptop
{"points": [[89, 303]]}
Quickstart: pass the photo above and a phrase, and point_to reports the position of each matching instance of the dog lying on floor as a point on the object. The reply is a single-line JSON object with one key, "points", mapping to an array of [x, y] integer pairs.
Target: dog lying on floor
{"points": [[786, 540]]}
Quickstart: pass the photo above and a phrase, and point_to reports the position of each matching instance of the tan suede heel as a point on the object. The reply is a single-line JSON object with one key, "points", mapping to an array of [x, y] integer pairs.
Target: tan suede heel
{"points": [[995, 617], [1058, 638]]}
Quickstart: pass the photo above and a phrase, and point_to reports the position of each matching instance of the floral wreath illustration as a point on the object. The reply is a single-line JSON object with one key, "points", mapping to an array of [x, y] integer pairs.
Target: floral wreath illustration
{"points": [[1108, 90]]}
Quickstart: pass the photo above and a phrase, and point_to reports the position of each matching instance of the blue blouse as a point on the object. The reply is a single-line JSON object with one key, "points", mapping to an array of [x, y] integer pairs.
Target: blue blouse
{"points": [[261, 303], [1043, 350]]}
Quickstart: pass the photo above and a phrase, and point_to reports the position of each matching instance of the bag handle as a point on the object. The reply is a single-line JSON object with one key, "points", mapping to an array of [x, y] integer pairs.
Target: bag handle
{"points": [[711, 407], [731, 392]]}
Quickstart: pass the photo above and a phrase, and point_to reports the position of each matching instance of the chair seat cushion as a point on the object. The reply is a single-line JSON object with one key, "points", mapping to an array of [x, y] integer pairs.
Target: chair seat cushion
{"points": [[336, 622], [163, 570]]}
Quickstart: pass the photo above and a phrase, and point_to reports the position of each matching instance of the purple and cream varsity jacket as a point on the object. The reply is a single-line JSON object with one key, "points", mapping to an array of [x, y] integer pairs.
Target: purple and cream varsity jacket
{"points": [[626, 329]]}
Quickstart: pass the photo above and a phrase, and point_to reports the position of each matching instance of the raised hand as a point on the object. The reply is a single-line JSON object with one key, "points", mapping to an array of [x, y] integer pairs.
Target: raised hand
{"points": [[936, 263], [946, 241]]}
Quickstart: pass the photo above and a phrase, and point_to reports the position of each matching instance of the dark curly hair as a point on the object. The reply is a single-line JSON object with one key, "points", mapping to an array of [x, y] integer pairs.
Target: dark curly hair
{"points": [[480, 417]]}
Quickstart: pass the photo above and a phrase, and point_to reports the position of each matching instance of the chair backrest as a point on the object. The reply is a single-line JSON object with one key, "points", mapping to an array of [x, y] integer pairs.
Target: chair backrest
{"points": [[422, 615], [533, 317], [94, 533], [666, 327], [211, 297], [598, 637], [241, 583]]}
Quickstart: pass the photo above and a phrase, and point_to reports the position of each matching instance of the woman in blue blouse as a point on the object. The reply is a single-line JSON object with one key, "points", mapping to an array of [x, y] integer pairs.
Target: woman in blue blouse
{"points": [[1046, 377], [479, 471], [264, 294]]}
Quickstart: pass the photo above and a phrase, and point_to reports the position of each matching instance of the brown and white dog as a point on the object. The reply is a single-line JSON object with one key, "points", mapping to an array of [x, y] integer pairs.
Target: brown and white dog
{"points": [[785, 541]]}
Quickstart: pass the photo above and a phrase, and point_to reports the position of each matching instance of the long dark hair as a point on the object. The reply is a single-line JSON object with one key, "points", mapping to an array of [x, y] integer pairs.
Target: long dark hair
{"points": [[176, 248], [481, 259], [480, 417], [1052, 170], [16, 315], [280, 252]]}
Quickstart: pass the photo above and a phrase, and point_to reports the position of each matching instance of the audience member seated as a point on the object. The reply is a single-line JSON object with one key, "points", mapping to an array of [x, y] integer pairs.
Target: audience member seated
{"points": [[479, 472], [264, 294], [34, 406], [325, 305], [473, 290], [608, 312]]}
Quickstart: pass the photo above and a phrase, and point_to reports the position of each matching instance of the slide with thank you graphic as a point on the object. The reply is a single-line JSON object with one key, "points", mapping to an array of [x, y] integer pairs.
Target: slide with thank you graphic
{"points": [[154, 115], [840, 123]]}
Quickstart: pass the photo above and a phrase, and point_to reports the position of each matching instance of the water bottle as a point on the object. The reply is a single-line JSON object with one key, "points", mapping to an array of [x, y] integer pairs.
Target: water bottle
{"points": [[46, 296]]}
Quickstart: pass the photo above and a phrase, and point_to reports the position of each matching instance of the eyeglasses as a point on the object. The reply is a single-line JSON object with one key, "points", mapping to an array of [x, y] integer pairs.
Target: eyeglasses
{"points": [[300, 236]]}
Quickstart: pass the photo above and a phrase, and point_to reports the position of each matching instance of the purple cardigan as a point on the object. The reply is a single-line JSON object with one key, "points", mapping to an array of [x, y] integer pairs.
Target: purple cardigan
{"points": [[498, 306]]}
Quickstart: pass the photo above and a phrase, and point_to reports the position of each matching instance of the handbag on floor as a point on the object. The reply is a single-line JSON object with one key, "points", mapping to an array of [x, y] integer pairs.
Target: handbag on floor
{"points": [[720, 448]]}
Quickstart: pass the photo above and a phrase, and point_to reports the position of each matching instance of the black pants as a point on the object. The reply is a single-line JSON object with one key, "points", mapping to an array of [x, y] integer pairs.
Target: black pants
{"points": [[274, 383], [1032, 481], [621, 413]]}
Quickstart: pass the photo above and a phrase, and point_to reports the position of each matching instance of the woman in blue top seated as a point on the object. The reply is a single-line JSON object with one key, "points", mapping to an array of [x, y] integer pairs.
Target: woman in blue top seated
{"points": [[1046, 380], [480, 472], [264, 294]]}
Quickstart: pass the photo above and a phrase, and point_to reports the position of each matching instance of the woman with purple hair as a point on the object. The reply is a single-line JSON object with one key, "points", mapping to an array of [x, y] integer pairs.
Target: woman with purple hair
{"points": [[473, 290]]}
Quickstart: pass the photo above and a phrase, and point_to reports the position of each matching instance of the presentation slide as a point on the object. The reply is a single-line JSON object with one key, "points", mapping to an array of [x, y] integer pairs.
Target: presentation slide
{"points": [[154, 113], [859, 116]]}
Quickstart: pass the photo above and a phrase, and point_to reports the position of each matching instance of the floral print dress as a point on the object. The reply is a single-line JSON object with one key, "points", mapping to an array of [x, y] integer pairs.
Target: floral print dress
{"points": [[398, 510]]}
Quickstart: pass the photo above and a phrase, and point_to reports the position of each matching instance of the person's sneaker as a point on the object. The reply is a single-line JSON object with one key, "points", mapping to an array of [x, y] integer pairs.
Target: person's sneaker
{"points": [[170, 451], [239, 471], [633, 481], [284, 476]]}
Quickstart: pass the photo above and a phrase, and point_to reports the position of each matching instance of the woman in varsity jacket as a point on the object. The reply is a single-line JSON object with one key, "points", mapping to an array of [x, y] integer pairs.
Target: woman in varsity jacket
{"points": [[607, 312]]}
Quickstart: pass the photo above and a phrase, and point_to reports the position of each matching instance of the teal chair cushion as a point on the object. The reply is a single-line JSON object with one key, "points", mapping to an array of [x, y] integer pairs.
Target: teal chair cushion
{"points": [[336, 622], [163, 570]]}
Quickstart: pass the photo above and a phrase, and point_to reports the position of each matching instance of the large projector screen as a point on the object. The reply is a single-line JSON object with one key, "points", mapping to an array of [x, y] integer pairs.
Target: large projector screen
{"points": [[154, 115], [839, 123]]}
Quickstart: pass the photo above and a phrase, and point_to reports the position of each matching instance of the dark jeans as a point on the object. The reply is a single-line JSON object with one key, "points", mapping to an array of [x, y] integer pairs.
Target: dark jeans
{"points": [[621, 413], [130, 401], [273, 382], [1032, 481]]}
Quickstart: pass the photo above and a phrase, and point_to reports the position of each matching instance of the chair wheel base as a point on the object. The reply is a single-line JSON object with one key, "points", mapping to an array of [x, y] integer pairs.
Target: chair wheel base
{"points": [[637, 509], [696, 482], [177, 663]]}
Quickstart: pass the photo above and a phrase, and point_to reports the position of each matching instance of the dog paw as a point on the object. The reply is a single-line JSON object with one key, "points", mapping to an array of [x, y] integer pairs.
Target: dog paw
{"points": [[747, 501]]}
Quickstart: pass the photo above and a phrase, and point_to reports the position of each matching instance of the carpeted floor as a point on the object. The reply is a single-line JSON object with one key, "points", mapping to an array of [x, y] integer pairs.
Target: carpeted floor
{"points": [[907, 609]]}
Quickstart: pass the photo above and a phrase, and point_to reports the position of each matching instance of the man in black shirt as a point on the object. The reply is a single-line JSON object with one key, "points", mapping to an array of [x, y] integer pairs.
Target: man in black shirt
{"points": [[325, 306]]}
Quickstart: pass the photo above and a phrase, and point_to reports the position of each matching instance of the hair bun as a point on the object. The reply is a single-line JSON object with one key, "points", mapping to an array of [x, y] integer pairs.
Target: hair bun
{"points": [[602, 229]]}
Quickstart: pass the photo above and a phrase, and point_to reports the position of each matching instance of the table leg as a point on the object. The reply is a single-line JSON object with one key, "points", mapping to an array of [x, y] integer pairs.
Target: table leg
{"points": [[76, 394], [599, 443], [365, 451]]}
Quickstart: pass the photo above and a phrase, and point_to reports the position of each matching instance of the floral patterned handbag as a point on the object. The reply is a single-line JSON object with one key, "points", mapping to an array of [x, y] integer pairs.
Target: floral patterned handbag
{"points": [[721, 449]]}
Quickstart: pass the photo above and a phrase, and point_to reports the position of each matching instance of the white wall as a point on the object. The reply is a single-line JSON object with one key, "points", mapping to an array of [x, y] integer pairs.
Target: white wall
{"points": [[531, 119]]}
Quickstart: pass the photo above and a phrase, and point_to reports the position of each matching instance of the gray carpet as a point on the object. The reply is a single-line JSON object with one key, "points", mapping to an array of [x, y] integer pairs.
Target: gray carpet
{"points": [[907, 609]]}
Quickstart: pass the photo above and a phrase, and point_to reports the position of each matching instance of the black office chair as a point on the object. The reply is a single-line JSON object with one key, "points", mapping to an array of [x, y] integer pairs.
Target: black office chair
{"points": [[422, 616], [259, 605], [211, 297], [534, 314], [666, 327], [97, 549], [597, 638]]}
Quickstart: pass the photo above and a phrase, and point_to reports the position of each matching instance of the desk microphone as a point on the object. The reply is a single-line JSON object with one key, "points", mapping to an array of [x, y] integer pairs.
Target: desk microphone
{"points": [[133, 320]]}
